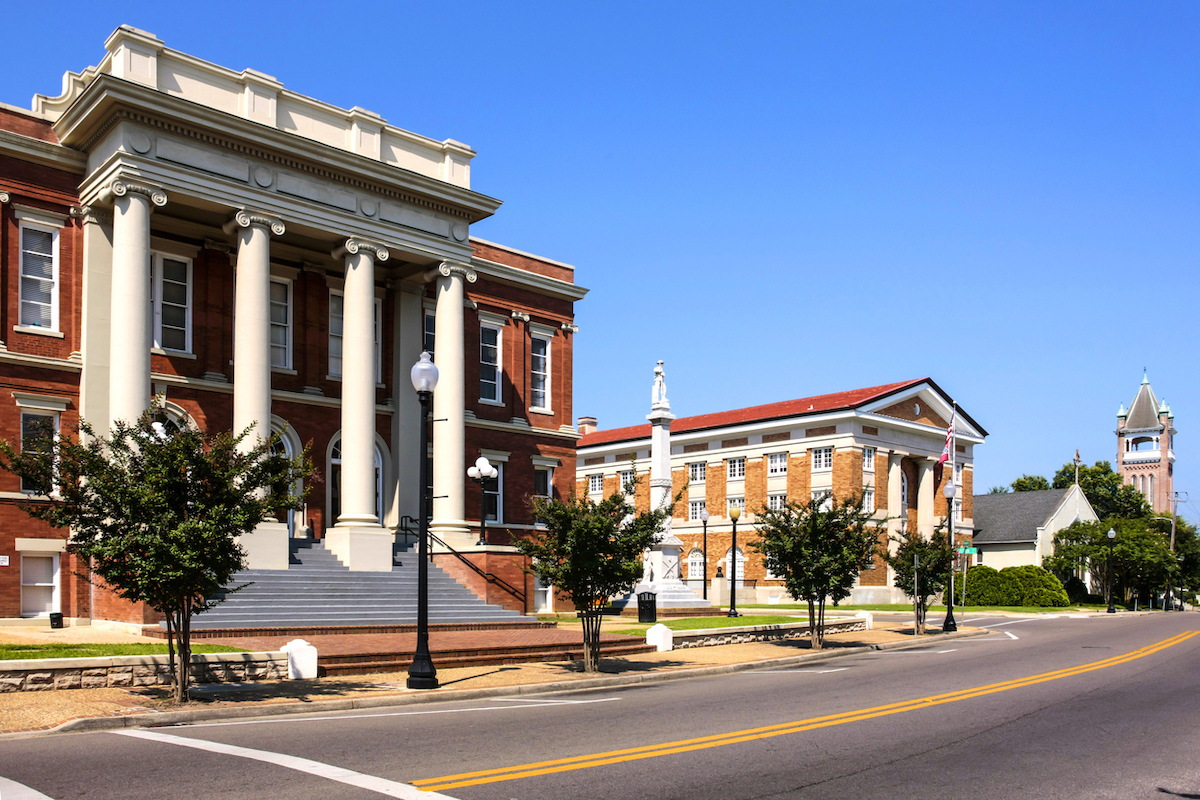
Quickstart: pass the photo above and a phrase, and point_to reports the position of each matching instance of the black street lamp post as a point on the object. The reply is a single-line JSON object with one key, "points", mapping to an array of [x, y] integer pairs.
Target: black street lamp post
{"points": [[1112, 536], [421, 673], [734, 513], [481, 472], [704, 524], [950, 625]]}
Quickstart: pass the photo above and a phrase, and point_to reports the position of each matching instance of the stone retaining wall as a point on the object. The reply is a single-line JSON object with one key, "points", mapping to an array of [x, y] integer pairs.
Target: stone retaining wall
{"points": [[710, 637], [93, 673]]}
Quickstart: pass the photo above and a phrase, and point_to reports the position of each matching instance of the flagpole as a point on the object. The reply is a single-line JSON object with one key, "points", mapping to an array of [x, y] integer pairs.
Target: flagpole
{"points": [[950, 491]]}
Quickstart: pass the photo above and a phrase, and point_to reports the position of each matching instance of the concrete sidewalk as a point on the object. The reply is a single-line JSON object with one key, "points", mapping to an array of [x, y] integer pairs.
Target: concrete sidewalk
{"points": [[30, 713]]}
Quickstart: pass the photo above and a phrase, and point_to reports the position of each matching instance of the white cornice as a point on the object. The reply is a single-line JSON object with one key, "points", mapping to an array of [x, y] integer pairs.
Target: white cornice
{"points": [[26, 148], [502, 273], [524, 430], [64, 364]]}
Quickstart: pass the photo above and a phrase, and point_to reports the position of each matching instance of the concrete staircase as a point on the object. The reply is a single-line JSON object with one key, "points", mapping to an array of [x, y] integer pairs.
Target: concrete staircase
{"points": [[317, 591]]}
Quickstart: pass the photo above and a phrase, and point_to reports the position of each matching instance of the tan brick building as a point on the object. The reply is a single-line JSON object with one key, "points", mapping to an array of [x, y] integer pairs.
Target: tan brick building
{"points": [[882, 440]]}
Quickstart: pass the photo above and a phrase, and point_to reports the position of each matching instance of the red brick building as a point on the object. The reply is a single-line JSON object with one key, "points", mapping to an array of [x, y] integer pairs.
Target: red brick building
{"points": [[158, 192]]}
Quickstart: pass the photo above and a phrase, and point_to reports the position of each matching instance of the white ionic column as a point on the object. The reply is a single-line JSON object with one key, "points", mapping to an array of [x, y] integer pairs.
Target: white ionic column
{"points": [[252, 324], [925, 495], [358, 382], [408, 323], [449, 404], [131, 335]]}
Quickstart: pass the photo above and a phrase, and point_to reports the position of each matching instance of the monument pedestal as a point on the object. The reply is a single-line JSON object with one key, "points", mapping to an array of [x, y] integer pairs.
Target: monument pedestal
{"points": [[266, 546], [362, 548]]}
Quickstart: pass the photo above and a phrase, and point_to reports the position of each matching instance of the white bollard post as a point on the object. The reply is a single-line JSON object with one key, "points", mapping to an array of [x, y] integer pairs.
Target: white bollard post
{"points": [[302, 659], [661, 637]]}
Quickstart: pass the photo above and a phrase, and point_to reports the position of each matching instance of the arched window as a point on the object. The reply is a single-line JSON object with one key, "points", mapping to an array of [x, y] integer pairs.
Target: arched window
{"points": [[335, 483], [695, 564], [289, 445], [1150, 496], [741, 567]]}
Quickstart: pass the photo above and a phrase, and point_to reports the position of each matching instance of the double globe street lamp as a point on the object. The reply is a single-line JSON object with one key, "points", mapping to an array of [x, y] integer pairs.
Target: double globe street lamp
{"points": [[1112, 538], [481, 472], [421, 673], [734, 513]]}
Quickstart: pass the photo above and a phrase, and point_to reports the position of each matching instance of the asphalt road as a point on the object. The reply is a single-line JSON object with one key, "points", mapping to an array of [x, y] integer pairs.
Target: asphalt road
{"points": [[1103, 707]]}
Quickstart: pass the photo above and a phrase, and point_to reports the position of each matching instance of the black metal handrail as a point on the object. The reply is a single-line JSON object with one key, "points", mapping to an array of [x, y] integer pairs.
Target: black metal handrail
{"points": [[405, 525]]}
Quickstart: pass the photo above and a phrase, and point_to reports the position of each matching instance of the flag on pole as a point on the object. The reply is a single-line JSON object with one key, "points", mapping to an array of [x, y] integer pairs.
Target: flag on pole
{"points": [[948, 450]]}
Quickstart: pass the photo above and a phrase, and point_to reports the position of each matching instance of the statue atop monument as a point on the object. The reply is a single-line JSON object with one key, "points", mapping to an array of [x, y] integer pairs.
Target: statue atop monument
{"points": [[658, 393]]}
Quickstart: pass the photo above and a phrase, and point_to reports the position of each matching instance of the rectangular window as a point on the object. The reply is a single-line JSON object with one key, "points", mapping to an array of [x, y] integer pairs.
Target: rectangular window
{"points": [[539, 373], [739, 503], [697, 471], [736, 468], [170, 298], [627, 477], [595, 484], [958, 510], [958, 473], [493, 496], [36, 429], [868, 459], [39, 584], [776, 502], [543, 481], [336, 328], [825, 497], [489, 363], [430, 328], [822, 459], [281, 323], [39, 277], [694, 509], [777, 464], [869, 499]]}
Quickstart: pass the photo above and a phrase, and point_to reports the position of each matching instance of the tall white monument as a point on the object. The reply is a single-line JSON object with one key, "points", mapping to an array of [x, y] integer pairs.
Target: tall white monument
{"points": [[661, 573]]}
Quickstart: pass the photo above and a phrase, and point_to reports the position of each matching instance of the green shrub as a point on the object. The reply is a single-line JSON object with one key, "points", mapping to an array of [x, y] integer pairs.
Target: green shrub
{"points": [[1014, 586], [1076, 590]]}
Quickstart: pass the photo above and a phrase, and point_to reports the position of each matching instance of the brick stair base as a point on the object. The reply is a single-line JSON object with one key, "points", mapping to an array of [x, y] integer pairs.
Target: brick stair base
{"points": [[228, 633], [365, 663]]}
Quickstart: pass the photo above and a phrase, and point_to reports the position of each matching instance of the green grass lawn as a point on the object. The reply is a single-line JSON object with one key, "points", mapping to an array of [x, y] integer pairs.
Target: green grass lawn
{"points": [[700, 623], [831, 610], [13, 652]]}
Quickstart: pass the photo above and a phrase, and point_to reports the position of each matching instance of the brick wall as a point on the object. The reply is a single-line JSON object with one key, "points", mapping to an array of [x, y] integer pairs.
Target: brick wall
{"points": [[881, 481], [756, 484], [847, 473], [714, 488], [799, 478], [679, 479], [878, 575]]}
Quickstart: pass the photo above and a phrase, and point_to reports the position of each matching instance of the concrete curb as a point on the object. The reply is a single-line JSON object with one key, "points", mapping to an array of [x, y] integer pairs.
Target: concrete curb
{"points": [[170, 718]]}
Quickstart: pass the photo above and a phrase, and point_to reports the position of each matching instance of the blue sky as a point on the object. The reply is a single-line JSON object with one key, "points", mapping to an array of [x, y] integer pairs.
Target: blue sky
{"points": [[787, 199]]}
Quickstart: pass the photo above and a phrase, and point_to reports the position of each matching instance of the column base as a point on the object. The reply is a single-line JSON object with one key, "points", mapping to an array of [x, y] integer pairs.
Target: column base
{"points": [[454, 532], [362, 548], [266, 546]]}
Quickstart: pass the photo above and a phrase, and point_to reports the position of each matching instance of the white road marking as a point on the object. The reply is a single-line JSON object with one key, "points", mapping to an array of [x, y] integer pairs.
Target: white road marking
{"points": [[327, 771], [548, 702], [811, 671], [1013, 622], [333, 715], [946, 651], [11, 790], [1009, 634]]}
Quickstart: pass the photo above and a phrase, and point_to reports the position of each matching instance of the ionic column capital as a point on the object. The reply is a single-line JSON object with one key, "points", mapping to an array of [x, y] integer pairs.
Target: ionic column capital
{"points": [[121, 187], [245, 218], [91, 215], [356, 244], [449, 269], [4, 198]]}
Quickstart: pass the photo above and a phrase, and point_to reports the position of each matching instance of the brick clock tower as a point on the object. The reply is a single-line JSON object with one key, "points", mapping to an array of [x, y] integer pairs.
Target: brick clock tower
{"points": [[1146, 447]]}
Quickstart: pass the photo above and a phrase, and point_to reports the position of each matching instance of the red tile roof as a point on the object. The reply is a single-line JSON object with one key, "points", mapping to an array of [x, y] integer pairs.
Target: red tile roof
{"points": [[788, 408]]}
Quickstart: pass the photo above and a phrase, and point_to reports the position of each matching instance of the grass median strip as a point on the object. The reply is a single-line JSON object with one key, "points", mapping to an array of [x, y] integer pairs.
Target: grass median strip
{"points": [[686, 745], [18, 652]]}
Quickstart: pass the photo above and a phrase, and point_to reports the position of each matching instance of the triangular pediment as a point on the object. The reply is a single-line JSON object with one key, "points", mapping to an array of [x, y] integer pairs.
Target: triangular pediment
{"points": [[925, 404]]}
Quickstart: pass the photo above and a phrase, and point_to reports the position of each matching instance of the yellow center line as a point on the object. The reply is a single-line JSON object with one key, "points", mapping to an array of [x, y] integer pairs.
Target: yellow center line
{"points": [[719, 740]]}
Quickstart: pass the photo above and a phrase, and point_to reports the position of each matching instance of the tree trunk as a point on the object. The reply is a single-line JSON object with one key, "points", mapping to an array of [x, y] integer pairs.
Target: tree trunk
{"points": [[591, 639], [814, 638], [184, 674], [921, 618], [820, 624]]}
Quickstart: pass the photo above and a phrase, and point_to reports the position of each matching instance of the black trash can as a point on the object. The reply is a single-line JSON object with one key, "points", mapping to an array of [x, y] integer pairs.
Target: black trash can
{"points": [[56, 620], [647, 607]]}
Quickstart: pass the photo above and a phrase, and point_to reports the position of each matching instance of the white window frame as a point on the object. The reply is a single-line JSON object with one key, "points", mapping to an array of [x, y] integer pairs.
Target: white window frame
{"points": [[55, 584], [156, 298], [596, 483], [958, 473], [546, 375], [694, 509], [868, 459], [496, 386], [735, 502], [735, 468], [429, 335], [54, 418], [738, 580], [288, 328], [869, 499], [498, 481], [822, 459], [378, 328], [776, 501], [777, 463], [826, 498], [697, 471], [958, 511], [549, 473], [55, 268], [625, 477], [695, 565]]}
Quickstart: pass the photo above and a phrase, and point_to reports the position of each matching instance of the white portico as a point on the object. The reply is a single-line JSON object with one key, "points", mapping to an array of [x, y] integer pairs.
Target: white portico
{"points": [[182, 156]]}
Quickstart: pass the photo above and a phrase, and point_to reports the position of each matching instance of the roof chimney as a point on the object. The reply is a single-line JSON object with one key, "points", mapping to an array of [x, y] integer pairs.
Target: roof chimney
{"points": [[587, 425]]}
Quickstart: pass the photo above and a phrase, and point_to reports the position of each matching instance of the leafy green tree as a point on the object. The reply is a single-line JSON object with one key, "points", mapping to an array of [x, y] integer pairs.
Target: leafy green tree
{"points": [[1104, 490], [932, 573], [998, 490], [818, 547], [591, 551], [1142, 558], [1030, 483], [157, 512]]}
